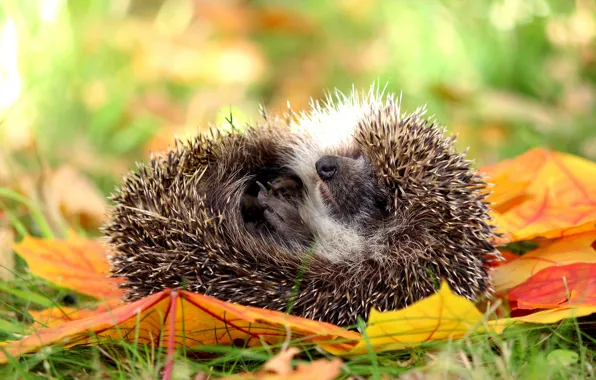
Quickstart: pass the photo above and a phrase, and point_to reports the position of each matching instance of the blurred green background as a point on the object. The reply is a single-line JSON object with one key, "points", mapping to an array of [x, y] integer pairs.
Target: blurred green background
{"points": [[89, 86]]}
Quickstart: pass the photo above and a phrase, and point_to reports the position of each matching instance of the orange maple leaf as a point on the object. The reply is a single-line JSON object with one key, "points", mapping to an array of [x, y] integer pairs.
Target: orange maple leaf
{"points": [[207, 320], [568, 250], [179, 318], [59, 315], [176, 318], [532, 193], [543, 194], [557, 287], [78, 264]]}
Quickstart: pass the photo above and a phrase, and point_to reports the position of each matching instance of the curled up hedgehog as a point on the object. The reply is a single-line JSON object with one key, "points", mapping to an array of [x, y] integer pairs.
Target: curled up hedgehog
{"points": [[348, 206]]}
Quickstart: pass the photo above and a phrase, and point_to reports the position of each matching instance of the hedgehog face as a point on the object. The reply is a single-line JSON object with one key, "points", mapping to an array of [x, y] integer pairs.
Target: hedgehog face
{"points": [[348, 188]]}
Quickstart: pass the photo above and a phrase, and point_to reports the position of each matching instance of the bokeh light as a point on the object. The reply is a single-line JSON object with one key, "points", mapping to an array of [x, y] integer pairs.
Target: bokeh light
{"points": [[99, 84]]}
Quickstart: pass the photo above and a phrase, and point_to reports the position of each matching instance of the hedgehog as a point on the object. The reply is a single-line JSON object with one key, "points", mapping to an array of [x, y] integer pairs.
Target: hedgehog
{"points": [[325, 214]]}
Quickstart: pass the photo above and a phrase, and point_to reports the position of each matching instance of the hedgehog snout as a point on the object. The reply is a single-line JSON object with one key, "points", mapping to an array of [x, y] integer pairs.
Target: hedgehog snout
{"points": [[327, 167]]}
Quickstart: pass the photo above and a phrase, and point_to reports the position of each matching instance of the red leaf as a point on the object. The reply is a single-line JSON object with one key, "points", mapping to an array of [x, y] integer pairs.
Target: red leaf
{"points": [[565, 251], [557, 287]]}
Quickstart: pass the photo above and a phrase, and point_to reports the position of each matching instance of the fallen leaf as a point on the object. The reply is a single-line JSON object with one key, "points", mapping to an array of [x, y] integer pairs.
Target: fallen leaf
{"points": [[503, 200], [556, 315], [66, 193], [78, 264], [442, 316], [568, 250], [179, 318], [75, 197], [81, 265], [508, 256], [174, 318], [318, 369], [59, 315], [543, 194], [281, 364], [557, 286], [280, 367]]}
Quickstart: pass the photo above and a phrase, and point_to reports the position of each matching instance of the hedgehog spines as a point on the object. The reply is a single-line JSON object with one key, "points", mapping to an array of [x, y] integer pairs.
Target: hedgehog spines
{"points": [[190, 216]]}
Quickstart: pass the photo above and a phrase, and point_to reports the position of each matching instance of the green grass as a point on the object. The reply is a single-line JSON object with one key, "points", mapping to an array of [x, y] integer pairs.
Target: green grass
{"points": [[506, 79], [564, 350]]}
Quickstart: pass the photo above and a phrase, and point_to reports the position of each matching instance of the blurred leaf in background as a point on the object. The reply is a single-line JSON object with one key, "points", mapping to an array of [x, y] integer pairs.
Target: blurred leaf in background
{"points": [[95, 85]]}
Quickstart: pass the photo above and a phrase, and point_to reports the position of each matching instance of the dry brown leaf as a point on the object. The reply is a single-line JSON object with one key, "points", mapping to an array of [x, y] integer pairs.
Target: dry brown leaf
{"points": [[497, 105], [76, 197], [67, 194], [280, 367], [281, 364]]}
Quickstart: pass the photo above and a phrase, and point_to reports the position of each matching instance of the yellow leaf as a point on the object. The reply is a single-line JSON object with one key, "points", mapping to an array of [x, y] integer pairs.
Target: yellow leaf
{"points": [[442, 316], [556, 315]]}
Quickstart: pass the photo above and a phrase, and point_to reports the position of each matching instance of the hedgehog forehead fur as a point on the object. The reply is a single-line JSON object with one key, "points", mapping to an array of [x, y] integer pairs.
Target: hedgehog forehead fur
{"points": [[182, 219]]}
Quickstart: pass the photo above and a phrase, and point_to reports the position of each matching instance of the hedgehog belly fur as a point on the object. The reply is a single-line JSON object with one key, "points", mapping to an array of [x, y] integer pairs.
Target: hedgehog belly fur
{"points": [[216, 215]]}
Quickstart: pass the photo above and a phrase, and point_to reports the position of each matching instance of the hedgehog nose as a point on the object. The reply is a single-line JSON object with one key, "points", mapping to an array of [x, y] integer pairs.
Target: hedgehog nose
{"points": [[327, 167]]}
